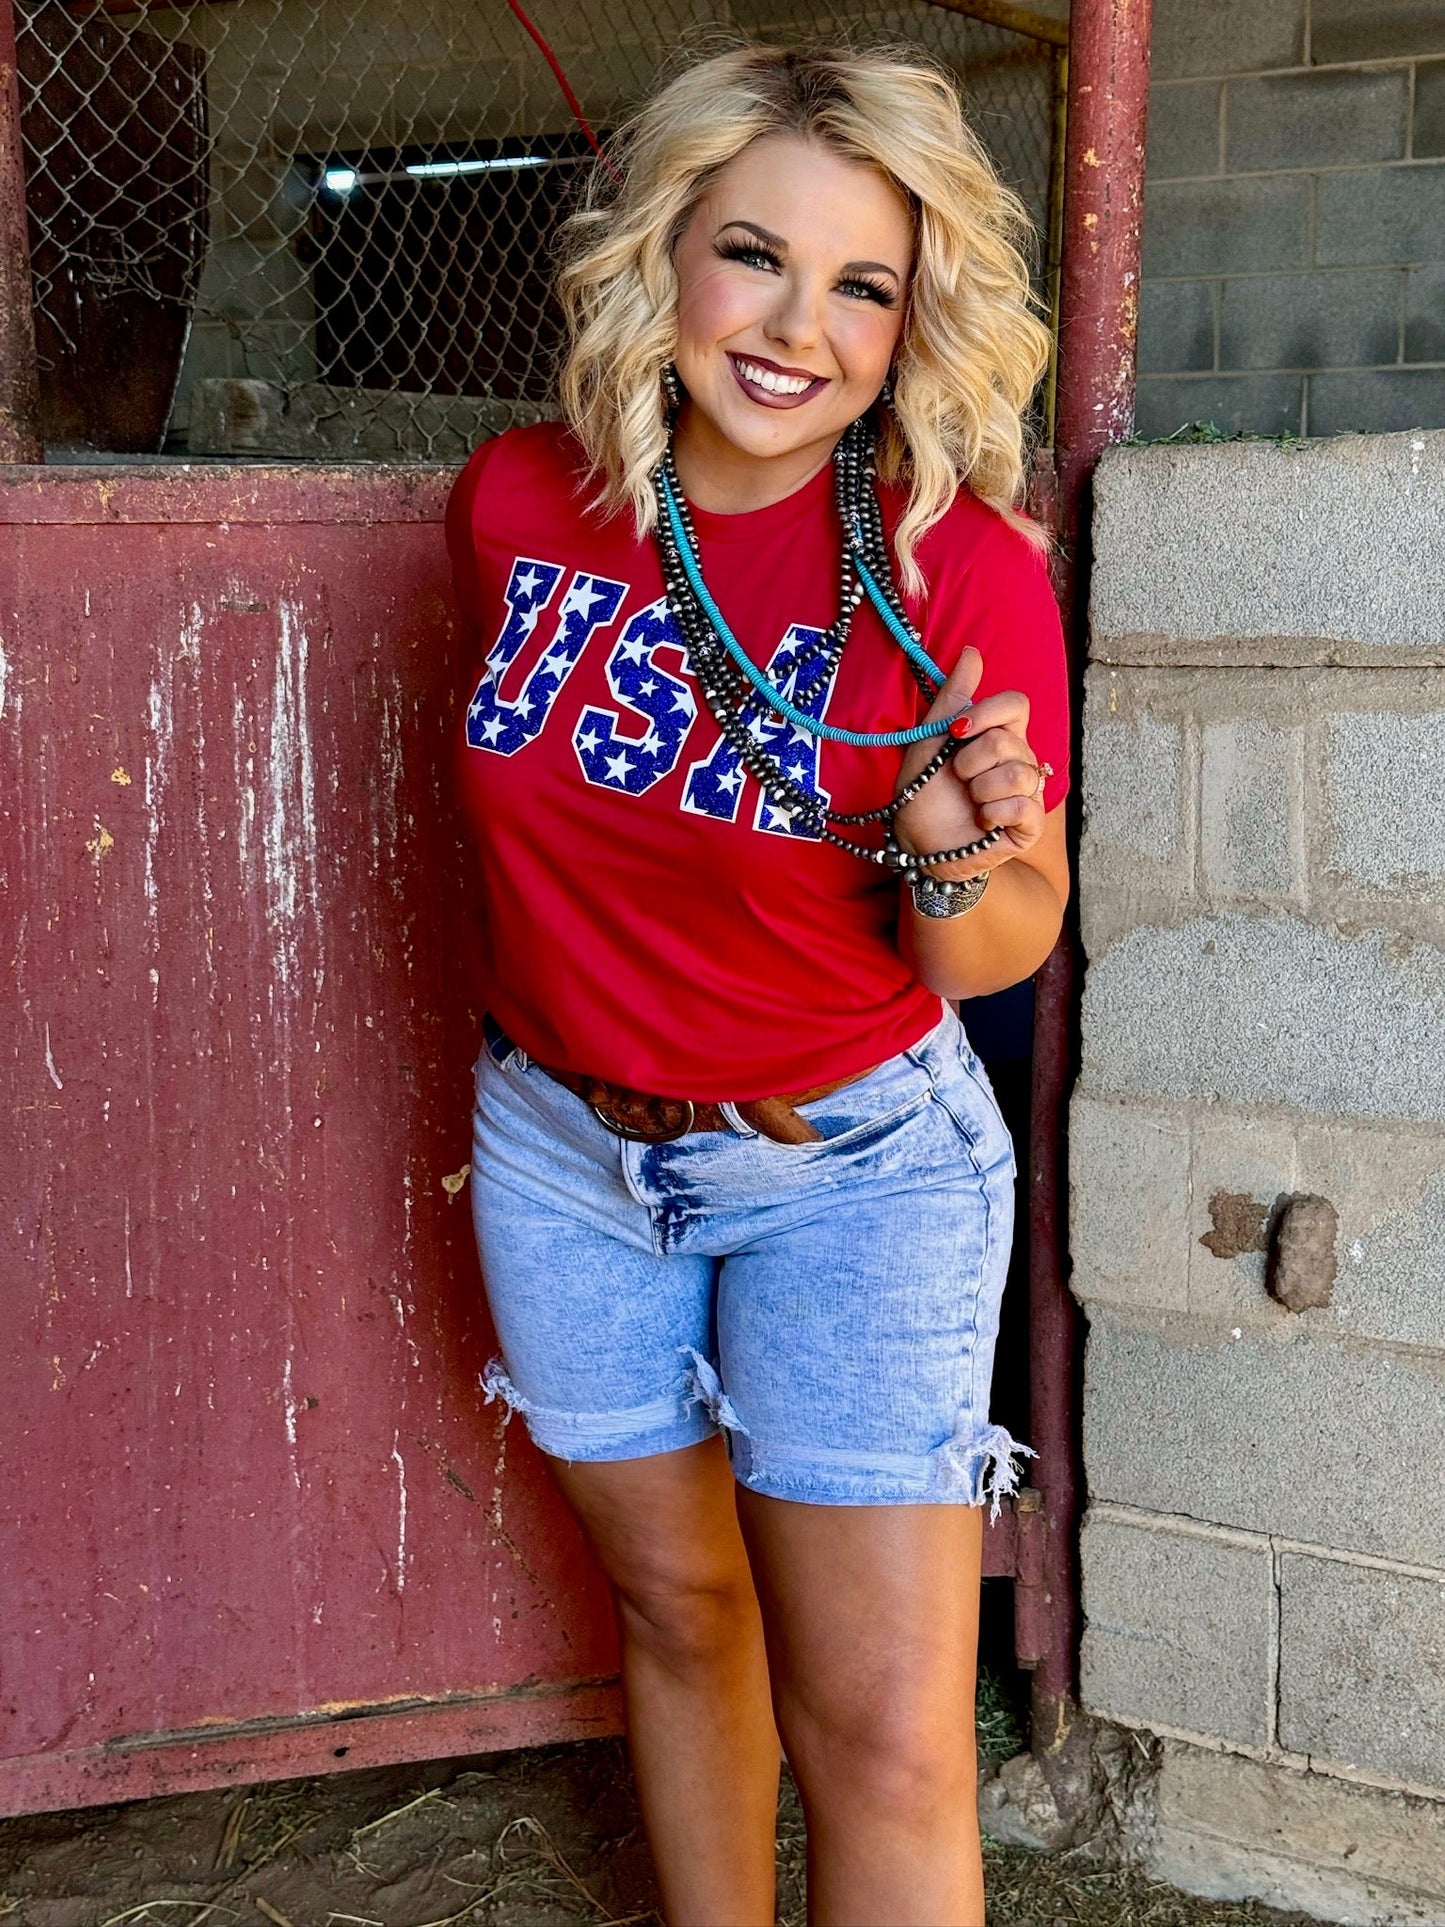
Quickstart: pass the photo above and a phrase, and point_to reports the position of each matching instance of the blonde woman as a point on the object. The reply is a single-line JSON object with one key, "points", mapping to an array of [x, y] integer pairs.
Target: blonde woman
{"points": [[763, 760]]}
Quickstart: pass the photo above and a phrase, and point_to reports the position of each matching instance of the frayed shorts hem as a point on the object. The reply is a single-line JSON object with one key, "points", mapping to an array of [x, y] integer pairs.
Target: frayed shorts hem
{"points": [[978, 1465], [665, 1424], [975, 1471]]}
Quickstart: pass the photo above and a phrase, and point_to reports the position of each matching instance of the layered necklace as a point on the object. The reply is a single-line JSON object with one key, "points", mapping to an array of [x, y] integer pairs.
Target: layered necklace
{"points": [[738, 693]]}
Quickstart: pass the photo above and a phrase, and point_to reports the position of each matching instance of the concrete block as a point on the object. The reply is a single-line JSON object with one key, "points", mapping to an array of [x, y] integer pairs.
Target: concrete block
{"points": [[1389, 1191], [1128, 1205], [1244, 1010], [1235, 404], [1383, 781], [1238, 1829], [1227, 37], [1279, 1430], [1251, 798], [1248, 553], [1305, 120], [1176, 326], [1228, 226], [1380, 214], [1362, 1666], [1425, 311], [1134, 783], [1378, 402], [1240, 1168], [1340, 319], [1177, 1628], [1428, 131], [1345, 30], [1184, 129]]}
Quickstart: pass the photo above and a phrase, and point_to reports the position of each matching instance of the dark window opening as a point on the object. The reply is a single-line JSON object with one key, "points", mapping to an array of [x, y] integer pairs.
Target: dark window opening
{"points": [[432, 269]]}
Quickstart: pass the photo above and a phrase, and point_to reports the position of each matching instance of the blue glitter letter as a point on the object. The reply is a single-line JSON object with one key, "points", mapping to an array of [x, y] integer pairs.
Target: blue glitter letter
{"points": [[715, 784], [633, 764], [494, 722]]}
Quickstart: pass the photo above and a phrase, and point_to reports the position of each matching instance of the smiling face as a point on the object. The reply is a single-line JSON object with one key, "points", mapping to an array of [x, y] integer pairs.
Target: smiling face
{"points": [[792, 278]]}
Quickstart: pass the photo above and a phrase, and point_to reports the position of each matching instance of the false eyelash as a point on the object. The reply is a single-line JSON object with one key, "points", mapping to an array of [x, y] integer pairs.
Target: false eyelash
{"points": [[756, 251], [873, 290], [740, 250]]}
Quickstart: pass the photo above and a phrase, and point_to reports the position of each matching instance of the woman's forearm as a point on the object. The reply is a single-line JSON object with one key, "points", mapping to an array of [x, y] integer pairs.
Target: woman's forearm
{"points": [[1002, 940]]}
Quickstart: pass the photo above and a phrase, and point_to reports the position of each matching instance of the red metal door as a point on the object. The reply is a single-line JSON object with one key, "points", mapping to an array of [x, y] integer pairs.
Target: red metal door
{"points": [[258, 1520]]}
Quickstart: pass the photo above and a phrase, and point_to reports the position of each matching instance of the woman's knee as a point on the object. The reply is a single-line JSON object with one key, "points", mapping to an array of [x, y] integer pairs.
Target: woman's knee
{"points": [[686, 1613], [665, 1531], [905, 1750]]}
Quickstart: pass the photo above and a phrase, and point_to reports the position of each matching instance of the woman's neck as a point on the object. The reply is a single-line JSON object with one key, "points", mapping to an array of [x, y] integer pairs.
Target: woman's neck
{"points": [[723, 479]]}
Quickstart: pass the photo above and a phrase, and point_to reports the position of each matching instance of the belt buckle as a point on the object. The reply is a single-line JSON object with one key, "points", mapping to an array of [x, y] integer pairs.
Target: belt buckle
{"points": [[651, 1120]]}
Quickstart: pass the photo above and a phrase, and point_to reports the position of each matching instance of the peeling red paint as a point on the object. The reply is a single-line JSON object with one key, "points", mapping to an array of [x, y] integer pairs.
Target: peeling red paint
{"points": [[246, 1318]]}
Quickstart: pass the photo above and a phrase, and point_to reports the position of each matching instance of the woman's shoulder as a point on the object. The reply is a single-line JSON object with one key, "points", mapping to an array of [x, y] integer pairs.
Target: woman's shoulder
{"points": [[973, 537], [538, 468]]}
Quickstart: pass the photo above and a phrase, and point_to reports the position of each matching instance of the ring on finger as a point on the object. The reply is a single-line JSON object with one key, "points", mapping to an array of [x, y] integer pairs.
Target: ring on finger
{"points": [[1045, 771]]}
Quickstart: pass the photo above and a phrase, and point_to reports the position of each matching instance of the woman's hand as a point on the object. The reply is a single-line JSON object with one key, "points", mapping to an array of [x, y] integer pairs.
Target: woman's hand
{"points": [[992, 781]]}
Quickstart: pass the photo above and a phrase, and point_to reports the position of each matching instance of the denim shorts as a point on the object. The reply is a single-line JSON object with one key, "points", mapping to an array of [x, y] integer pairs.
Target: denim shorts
{"points": [[830, 1307]]}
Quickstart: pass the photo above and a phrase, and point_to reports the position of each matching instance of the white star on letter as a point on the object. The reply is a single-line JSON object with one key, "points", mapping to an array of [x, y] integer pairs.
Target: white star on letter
{"points": [[589, 742], [492, 728], [617, 766], [527, 582], [582, 595], [632, 650]]}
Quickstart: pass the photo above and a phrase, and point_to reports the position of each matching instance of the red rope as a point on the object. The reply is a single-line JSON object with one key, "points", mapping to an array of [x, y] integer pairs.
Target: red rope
{"points": [[563, 82]]}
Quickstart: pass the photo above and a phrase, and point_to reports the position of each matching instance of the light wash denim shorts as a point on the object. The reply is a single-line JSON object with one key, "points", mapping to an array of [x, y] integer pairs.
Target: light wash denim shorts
{"points": [[831, 1308]]}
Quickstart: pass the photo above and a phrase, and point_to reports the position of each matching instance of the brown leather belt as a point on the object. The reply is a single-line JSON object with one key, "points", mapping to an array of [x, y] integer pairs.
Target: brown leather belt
{"points": [[658, 1120]]}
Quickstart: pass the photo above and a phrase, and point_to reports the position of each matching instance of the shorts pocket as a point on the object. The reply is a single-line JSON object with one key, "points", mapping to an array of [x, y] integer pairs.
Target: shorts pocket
{"points": [[867, 1109]]}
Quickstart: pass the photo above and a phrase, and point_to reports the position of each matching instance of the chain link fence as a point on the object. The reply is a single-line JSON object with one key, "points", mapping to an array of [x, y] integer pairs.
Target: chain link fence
{"points": [[316, 230]]}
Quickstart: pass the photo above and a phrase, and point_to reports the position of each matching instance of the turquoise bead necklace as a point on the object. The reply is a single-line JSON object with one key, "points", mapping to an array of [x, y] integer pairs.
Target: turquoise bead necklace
{"points": [[738, 692]]}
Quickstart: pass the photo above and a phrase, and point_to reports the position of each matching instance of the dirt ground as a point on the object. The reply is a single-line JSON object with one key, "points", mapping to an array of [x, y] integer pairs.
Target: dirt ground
{"points": [[544, 1838]]}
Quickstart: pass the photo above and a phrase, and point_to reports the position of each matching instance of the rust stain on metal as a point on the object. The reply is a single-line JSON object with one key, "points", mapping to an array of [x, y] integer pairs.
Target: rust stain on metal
{"points": [[1107, 106]]}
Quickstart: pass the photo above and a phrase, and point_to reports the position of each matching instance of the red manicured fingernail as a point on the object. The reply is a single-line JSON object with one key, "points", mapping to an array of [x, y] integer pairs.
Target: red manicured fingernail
{"points": [[960, 726]]}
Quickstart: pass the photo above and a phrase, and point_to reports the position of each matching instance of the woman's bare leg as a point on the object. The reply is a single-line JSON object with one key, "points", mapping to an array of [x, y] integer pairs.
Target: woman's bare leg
{"points": [[700, 1724], [872, 1632]]}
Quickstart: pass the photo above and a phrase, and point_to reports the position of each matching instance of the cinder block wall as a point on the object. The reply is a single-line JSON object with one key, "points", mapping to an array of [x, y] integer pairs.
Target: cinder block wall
{"points": [[1263, 899], [1294, 233]]}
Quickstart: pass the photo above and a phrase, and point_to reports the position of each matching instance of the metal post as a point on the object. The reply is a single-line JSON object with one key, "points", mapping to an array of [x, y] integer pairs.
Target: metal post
{"points": [[1108, 93], [19, 378]]}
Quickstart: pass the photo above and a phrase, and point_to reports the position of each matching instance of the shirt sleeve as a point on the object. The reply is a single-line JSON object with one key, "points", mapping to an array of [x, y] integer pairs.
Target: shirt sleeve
{"points": [[1002, 602], [462, 550]]}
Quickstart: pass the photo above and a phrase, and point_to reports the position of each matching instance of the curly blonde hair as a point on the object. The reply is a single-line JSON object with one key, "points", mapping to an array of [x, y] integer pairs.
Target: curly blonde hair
{"points": [[972, 348]]}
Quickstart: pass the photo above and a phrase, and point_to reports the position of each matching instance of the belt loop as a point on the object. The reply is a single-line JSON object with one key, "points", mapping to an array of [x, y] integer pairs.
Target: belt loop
{"points": [[739, 1123]]}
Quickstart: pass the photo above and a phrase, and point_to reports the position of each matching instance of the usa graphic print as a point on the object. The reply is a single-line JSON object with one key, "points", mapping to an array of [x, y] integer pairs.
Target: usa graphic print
{"points": [[612, 758], [628, 763], [714, 785], [590, 603]]}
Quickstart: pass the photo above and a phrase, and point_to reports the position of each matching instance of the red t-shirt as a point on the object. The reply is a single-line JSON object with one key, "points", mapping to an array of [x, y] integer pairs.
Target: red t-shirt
{"points": [[649, 919]]}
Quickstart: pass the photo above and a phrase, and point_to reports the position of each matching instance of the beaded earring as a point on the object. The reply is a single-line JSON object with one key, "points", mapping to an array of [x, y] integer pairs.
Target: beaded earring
{"points": [[885, 393], [671, 387]]}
